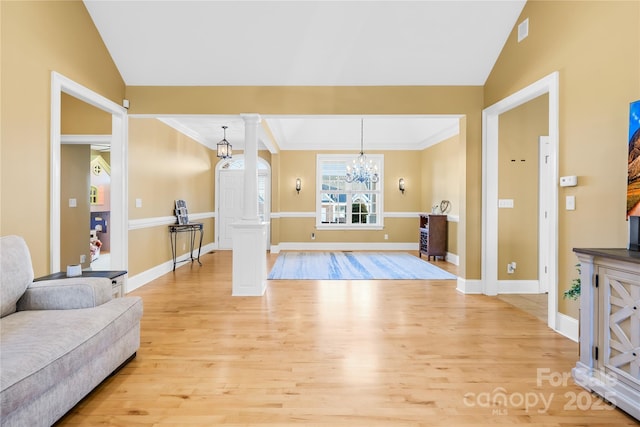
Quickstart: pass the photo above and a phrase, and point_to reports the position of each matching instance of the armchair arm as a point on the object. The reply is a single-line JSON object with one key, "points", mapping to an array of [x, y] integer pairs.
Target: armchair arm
{"points": [[66, 294]]}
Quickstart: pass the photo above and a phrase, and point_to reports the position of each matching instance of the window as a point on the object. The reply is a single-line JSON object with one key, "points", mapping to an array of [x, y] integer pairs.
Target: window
{"points": [[93, 195], [340, 204]]}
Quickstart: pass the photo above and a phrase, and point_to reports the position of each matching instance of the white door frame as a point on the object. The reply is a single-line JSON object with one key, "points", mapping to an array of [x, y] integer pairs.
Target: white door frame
{"points": [[267, 196], [119, 178], [490, 119], [546, 164]]}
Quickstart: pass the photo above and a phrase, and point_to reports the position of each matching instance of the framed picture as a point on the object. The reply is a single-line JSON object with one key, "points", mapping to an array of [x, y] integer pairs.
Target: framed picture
{"points": [[181, 212], [633, 161]]}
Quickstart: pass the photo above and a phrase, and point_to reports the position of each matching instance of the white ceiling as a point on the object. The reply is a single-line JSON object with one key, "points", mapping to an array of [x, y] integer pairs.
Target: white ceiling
{"points": [[317, 43], [323, 132]]}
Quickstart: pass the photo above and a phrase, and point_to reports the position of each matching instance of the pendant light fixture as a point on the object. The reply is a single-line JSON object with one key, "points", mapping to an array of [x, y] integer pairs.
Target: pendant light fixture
{"points": [[361, 169], [224, 148]]}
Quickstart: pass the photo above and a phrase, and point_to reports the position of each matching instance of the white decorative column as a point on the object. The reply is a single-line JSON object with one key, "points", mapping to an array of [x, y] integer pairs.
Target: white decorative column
{"points": [[250, 234]]}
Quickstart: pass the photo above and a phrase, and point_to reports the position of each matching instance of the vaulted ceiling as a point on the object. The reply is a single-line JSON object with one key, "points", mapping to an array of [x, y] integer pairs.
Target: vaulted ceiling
{"points": [[314, 43]]}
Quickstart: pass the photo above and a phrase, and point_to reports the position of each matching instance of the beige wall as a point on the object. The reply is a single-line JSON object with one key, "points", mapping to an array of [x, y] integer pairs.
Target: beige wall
{"points": [[441, 175], [519, 133], [595, 46], [302, 164], [74, 222], [80, 118], [37, 38], [452, 237], [165, 165]]}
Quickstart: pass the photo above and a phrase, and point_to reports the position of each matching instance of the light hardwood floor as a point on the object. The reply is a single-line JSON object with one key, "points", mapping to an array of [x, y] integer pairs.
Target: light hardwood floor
{"points": [[338, 353], [534, 304]]}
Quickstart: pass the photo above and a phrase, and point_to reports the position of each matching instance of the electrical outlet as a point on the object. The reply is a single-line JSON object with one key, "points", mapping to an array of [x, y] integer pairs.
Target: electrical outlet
{"points": [[386, 237], [83, 258], [313, 236], [511, 268]]}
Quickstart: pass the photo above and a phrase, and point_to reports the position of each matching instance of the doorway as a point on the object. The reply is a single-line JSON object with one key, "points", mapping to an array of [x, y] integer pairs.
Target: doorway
{"points": [[534, 299], [119, 215], [490, 120], [229, 191], [85, 176]]}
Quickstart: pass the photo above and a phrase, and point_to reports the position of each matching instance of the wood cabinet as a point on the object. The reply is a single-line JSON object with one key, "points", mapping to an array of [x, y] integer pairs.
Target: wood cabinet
{"points": [[609, 362], [433, 236]]}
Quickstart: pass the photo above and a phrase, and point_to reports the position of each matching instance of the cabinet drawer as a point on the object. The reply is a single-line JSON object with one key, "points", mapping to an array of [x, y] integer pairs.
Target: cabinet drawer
{"points": [[117, 286]]}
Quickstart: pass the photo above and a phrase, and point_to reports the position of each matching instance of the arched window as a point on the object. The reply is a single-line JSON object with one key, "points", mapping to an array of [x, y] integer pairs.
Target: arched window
{"points": [[238, 164]]}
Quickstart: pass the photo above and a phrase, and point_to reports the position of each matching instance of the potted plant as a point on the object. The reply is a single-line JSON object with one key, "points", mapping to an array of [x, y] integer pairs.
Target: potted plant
{"points": [[574, 291]]}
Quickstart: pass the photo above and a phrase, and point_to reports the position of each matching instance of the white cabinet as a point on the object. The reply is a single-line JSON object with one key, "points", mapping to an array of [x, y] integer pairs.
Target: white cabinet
{"points": [[118, 285], [609, 362]]}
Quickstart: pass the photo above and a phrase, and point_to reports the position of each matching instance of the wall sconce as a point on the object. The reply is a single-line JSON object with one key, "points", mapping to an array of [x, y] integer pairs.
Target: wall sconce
{"points": [[298, 185], [401, 185]]}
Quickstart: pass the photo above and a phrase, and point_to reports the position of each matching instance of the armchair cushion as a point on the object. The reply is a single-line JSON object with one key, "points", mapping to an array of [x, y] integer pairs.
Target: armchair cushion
{"points": [[66, 294], [16, 272]]}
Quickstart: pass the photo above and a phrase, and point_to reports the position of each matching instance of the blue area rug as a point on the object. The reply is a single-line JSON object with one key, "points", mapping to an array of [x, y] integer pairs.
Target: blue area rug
{"points": [[354, 266]]}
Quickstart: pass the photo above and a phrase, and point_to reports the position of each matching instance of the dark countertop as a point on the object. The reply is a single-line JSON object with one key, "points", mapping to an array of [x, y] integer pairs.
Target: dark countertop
{"points": [[621, 254], [63, 275]]}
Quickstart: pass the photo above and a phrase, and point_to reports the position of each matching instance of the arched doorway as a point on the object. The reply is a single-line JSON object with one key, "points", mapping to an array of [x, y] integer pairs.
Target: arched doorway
{"points": [[229, 188]]}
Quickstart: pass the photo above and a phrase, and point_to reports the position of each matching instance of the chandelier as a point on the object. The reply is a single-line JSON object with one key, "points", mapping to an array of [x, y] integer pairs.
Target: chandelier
{"points": [[361, 169], [224, 148]]}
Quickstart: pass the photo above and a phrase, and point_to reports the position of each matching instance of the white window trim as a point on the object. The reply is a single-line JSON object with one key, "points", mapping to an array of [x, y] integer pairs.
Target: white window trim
{"points": [[348, 158]]}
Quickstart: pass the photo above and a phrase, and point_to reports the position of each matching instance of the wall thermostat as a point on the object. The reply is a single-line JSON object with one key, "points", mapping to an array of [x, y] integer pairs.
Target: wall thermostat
{"points": [[568, 181]]}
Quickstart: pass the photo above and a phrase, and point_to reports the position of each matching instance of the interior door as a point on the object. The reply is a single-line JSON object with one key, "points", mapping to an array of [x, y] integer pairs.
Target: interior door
{"points": [[230, 210]]}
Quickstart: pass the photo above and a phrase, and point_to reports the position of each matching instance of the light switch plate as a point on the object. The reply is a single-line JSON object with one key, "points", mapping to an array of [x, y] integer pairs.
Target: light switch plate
{"points": [[73, 203], [570, 203], [505, 203], [138, 203]]}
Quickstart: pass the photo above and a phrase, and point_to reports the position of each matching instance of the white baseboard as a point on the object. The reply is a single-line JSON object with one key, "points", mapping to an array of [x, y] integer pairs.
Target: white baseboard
{"points": [[467, 286], [452, 258], [518, 287], [567, 326], [141, 279]]}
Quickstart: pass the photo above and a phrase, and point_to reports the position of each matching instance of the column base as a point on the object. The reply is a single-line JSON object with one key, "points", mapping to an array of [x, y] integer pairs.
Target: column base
{"points": [[249, 259]]}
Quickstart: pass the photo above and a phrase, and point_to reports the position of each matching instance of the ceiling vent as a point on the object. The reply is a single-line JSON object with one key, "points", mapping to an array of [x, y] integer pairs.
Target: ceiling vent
{"points": [[523, 30]]}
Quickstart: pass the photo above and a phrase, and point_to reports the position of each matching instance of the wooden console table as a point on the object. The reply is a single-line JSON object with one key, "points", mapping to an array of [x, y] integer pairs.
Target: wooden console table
{"points": [[190, 228], [609, 362]]}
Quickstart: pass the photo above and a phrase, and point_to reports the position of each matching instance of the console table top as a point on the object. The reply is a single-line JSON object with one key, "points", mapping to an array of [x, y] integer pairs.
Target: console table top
{"points": [[621, 254]]}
